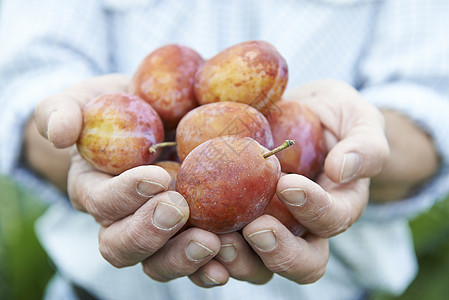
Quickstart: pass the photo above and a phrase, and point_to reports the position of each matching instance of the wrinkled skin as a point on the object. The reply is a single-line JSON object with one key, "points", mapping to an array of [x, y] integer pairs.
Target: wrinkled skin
{"points": [[139, 219]]}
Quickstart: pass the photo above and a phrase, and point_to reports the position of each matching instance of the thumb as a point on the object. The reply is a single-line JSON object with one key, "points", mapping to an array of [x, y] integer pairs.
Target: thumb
{"points": [[59, 119], [361, 153], [362, 148]]}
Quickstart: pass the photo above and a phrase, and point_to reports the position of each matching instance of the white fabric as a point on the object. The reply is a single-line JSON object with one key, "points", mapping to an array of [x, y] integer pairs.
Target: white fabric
{"points": [[395, 52], [70, 239]]}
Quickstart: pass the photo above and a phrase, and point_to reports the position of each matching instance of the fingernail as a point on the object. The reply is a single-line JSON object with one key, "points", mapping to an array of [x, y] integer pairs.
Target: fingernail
{"points": [[350, 167], [49, 125], [207, 280], [196, 251], [294, 196], [148, 188], [227, 252], [264, 240], [166, 216]]}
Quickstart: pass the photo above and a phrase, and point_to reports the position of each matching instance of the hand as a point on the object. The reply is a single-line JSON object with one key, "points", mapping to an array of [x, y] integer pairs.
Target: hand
{"points": [[138, 217], [358, 149]]}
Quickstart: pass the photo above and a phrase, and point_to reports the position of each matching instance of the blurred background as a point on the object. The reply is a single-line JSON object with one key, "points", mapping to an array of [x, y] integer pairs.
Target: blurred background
{"points": [[25, 269]]}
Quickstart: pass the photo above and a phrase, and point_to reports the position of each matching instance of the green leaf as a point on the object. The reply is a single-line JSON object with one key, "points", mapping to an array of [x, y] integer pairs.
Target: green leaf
{"points": [[24, 266]]}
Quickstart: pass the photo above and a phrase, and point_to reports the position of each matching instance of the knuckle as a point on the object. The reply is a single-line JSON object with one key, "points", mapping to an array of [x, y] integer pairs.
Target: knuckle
{"points": [[110, 255], [334, 230], [76, 204], [340, 223], [285, 265], [344, 222], [141, 237], [313, 276], [91, 207], [319, 213], [167, 268], [176, 268], [154, 274]]}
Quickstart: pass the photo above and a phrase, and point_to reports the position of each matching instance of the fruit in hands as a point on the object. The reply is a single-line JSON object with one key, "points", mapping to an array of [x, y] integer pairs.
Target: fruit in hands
{"points": [[165, 80], [227, 183], [297, 121], [118, 130], [221, 119], [172, 168], [252, 72]]}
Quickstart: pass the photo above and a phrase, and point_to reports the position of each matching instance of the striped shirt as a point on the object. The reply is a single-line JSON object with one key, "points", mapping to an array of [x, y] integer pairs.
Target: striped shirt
{"points": [[396, 53]]}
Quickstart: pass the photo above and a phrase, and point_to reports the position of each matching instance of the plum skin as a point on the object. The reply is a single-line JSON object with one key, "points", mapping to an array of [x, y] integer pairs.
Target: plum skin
{"points": [[165, 79], [251, 72], [118, 129], [221, 119], [227, 183], [295, 120]]}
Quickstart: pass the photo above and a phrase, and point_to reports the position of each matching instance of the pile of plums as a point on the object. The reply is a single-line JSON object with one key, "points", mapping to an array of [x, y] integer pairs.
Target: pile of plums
{"points": [[221, 117]]}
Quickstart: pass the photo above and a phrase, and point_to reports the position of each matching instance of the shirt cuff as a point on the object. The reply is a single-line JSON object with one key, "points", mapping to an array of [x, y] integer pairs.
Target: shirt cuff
{"points": [[429, 110]]}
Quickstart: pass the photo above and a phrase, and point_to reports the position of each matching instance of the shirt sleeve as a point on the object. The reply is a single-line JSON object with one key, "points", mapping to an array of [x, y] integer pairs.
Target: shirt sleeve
{"points": [[45, 46], [406, 68]]}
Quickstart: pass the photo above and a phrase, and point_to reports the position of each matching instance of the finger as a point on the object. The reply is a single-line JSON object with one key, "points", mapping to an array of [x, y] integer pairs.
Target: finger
{"points": [[362, 148], [140, 235], [182, 255], [302, 260], [59, 120], [362, 152], [59, 117], [109, 198], [211, 274], [358, 127], [325, 208], [241, 261], [86, 90]]}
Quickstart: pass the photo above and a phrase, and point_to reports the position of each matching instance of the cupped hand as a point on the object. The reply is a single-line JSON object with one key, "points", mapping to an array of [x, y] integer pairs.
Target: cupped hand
{"points": [[358, 150], [138, 216]]}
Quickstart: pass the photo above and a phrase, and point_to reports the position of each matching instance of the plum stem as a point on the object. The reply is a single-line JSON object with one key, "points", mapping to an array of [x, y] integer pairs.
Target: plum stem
{"points": [[286, 144], [154, 147]]}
